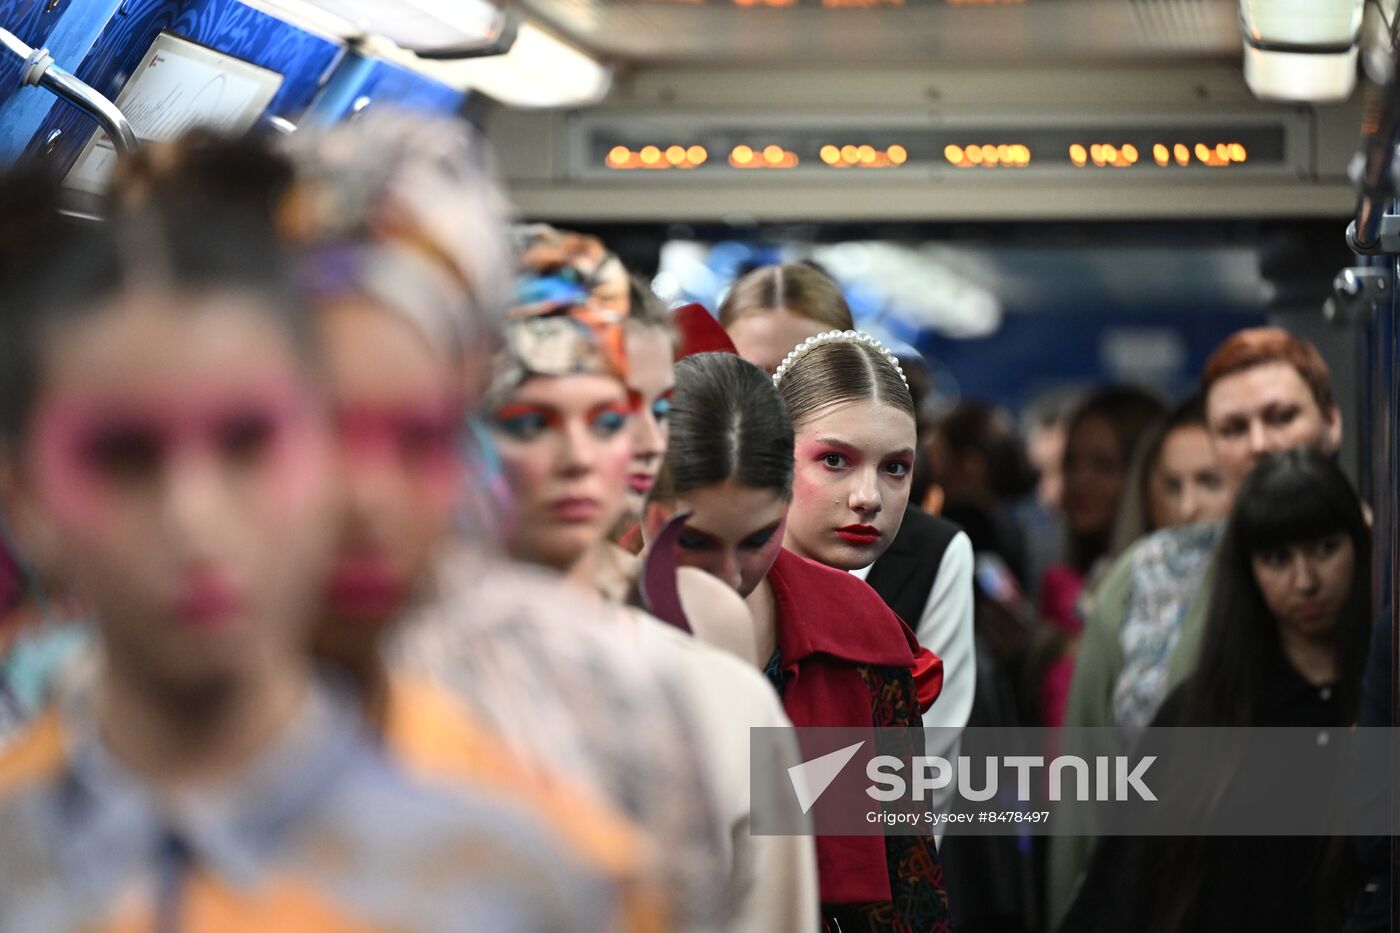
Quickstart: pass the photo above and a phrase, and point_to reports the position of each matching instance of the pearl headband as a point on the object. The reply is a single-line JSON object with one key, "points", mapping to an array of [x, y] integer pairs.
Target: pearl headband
{"points": [[837, 336]]}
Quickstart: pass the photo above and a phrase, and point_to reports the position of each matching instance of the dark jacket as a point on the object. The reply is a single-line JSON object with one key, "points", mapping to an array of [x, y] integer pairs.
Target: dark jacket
{"points": [[904, 574]]}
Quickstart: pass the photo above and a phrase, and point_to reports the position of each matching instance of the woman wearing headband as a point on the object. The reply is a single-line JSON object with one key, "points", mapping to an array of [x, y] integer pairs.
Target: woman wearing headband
{"points": [[853, 512], [831, 648], [560, 418], [575, 698]]}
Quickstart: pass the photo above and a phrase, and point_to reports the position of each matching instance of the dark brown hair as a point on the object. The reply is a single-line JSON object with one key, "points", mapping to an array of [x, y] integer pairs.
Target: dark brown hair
{"points": [[1130, 412], [802, 289], [727, 422]]}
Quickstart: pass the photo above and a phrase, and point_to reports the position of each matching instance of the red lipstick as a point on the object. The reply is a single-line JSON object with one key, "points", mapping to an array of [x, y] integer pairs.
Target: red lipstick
{"points": [[207, 601], [365, 588], [641, 483], [859, 535]]}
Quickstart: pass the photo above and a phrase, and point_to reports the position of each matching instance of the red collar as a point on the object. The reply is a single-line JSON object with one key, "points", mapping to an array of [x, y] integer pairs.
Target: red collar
{"points": [[822, 610]]}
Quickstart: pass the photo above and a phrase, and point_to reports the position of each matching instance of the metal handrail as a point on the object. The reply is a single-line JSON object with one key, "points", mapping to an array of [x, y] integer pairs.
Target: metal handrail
{"points": [[39, 70]]}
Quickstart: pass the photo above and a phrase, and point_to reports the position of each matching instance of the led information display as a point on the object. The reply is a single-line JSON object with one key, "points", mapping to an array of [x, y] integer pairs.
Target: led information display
{"points": [[617, 148]]}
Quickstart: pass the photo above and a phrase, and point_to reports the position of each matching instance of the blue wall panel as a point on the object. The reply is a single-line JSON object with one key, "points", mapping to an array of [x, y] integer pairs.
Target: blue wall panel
{"points": [[1032, 353], [26, 19], [384, 84], [67, 32], [224, 25]]}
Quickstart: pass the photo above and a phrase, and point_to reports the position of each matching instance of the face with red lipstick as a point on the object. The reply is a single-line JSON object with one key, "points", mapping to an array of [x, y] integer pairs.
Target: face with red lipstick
{"points": [[173, 476], [651, 377], [850, 483], [398, 420], [566, 451]]}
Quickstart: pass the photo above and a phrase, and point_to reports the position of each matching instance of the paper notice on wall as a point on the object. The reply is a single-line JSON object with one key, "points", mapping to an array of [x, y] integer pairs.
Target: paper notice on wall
{"points": [[179, 85]]}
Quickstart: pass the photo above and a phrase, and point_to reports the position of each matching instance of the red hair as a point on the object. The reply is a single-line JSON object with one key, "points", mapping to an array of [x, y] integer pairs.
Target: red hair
{"points": [[1256, 346]]}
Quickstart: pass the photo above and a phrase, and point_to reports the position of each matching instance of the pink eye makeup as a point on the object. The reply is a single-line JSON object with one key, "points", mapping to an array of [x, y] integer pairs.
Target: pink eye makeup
{"points": [[88, 452], [420, 435]]}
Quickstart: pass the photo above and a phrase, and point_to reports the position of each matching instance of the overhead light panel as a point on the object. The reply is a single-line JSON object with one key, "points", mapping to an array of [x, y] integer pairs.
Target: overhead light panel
{"points": [[538, 72], [423, 25], [1301, 50]]}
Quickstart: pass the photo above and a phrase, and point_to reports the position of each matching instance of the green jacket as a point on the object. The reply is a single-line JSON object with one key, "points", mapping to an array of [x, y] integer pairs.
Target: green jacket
{"points": [[1097, 667]]}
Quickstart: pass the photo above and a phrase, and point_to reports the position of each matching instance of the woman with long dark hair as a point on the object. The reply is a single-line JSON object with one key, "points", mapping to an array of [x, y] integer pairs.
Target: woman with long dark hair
{"points": [[1285, 645], [1102, 435]]}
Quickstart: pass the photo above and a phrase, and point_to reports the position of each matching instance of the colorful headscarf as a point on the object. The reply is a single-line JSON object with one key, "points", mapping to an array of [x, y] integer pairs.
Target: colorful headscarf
{"points": [[559, 344], [553, 328], [405, 210]]}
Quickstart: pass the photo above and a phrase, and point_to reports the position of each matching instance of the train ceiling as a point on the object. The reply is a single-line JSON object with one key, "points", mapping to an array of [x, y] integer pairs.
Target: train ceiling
{"points": [[903, 32]]}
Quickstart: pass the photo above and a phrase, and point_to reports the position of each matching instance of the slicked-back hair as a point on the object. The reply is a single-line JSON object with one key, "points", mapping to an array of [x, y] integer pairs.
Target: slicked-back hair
{"points": [[841, 371], [727, 423], [802, 289]]}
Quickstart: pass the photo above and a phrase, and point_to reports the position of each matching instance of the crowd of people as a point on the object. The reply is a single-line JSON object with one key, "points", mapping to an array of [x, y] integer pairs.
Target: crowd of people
{"points": [[368, 563]]}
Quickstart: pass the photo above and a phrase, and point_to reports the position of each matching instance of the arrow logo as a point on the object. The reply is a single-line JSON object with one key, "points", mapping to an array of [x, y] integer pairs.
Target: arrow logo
{"points": [[811, 778]]}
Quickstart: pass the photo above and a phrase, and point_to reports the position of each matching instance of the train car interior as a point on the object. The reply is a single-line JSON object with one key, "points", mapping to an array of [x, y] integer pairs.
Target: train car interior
{"points": [[1023, 200]]}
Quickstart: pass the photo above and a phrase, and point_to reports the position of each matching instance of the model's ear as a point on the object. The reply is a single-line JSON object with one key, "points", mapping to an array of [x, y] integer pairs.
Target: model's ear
{"points": [[1334, 430]]}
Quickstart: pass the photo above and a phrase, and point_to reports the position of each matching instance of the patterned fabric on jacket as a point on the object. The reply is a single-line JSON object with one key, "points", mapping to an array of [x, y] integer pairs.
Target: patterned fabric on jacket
{"points": [[919, 902], [1168, 570], [572, 694]]}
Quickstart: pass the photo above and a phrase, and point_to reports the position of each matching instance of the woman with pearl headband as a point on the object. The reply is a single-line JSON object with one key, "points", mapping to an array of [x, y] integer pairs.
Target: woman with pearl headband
{"points": [[836, 654], [922, 565]]}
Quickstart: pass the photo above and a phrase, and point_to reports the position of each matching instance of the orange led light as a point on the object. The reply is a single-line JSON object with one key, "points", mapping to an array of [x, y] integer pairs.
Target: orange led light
{"points": [[1181, 154], [1238, 153], [770, 156], [1130, 154], [654, 158], [1160, 154], [867, 156], [1078, 155], [1008, 155]]}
